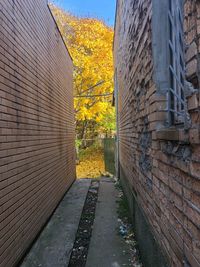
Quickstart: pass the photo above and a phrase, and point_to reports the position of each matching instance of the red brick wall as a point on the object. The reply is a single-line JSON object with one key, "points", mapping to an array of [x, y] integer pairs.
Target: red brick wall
{"points": [[36, 123], [192, 26], [161, 167]]}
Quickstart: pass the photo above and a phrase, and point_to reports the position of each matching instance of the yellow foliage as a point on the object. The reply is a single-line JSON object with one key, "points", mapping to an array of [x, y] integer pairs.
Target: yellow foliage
{"points": [[90, 44], [91, 163]]}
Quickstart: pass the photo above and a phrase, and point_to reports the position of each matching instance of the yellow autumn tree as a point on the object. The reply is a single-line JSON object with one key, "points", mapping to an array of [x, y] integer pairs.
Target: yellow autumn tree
{"points": [[90, 44]]}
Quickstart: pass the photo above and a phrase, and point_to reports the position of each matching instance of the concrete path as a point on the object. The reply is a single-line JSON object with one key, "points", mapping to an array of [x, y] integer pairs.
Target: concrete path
{"points": [[53, 247], [107, 248]]}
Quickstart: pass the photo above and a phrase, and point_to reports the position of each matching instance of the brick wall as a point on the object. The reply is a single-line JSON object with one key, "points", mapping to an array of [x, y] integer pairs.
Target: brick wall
{"points": [[36, 123], [159, 167], [192, 37]]}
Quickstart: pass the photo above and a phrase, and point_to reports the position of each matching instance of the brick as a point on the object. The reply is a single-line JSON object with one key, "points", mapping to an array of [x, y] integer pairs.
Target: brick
{"points": [[37, 157], [150, 149], [195, 169], [193, 102], [194, 135], [191, 51], [191, 68]]}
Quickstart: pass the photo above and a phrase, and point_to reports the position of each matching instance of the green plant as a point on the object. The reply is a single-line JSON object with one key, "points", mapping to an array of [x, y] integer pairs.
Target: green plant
{"points": [[78, 143]]}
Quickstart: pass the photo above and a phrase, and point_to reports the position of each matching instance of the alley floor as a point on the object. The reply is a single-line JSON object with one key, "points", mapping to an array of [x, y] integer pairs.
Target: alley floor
{"points": [[107, 248]]}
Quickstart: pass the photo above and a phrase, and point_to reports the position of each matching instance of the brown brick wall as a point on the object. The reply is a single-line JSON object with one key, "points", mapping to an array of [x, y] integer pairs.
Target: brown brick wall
{"points": [[36, 123], [192, 37], [161, 167]]}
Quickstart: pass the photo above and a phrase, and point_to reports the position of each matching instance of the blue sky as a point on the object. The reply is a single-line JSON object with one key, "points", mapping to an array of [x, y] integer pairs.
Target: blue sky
{"points": [[102, 9]]}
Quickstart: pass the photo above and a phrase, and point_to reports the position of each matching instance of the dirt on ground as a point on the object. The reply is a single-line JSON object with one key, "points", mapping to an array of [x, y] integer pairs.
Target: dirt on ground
{"points": [[83, 237], [81, 245]]}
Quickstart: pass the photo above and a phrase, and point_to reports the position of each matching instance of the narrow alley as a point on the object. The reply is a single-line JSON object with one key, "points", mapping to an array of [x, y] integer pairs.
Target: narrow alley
{"points": [[100, 133], [107, 247]]}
